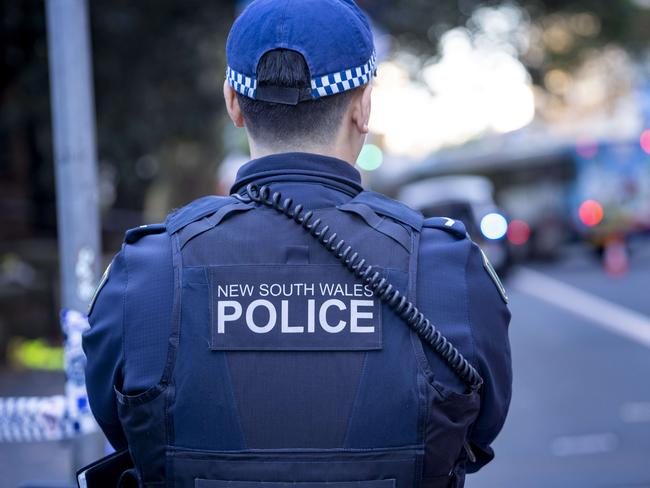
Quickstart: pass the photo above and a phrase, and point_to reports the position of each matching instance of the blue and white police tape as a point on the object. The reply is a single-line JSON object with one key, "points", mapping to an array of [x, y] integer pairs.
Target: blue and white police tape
{"points": [[31, 419], [74, 324]]}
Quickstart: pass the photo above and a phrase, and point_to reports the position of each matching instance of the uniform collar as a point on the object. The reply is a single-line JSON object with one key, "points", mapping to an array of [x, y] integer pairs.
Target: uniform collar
{"points": [[297, 166]]}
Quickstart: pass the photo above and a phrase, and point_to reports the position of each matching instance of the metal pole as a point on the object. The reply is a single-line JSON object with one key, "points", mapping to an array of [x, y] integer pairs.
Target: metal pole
{"points": [[73, 121]]}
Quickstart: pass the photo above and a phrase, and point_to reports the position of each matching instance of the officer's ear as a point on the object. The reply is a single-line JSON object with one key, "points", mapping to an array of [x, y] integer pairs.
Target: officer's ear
{"points": [[232, 105], [361, 107]]}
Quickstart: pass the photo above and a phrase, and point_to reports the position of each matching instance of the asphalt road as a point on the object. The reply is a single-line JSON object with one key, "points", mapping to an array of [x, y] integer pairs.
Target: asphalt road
{"points": [[580, 414]]}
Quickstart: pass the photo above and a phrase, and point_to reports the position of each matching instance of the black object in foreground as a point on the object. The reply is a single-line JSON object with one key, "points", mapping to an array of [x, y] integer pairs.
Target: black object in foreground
{"points": [[107, 472]]}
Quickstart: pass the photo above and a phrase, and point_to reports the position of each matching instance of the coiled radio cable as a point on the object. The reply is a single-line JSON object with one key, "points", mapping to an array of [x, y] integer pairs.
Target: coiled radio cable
{"points": [[366, 273]]}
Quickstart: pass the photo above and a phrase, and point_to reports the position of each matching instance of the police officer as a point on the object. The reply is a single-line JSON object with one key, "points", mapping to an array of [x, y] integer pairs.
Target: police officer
{"points": [[302, 332]]}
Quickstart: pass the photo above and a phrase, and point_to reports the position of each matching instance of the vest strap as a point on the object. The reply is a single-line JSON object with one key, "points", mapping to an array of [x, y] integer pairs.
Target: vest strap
{"points": [[391, 229], [198, 227], [195, 211], [177, 262], [389, 208]]}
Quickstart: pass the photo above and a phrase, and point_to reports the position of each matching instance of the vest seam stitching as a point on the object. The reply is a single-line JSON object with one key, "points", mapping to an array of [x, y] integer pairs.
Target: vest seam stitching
{"points": [[467, 303], [172, 346], [357, 395], [420, 376], [126, 286], [232, 398], [470, 427]]}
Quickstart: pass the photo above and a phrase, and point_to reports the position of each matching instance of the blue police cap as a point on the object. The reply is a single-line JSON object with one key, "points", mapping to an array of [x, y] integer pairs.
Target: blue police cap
{"points": [[333, 36]]}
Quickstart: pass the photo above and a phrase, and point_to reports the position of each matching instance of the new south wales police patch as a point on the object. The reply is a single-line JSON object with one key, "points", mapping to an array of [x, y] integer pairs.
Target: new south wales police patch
{"points": [[292, 307]]}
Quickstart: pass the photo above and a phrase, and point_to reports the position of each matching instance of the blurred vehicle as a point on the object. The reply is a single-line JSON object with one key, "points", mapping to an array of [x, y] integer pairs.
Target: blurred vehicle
{"points": [[469, 199], [538, 218], [610, 200], [532, 177]]}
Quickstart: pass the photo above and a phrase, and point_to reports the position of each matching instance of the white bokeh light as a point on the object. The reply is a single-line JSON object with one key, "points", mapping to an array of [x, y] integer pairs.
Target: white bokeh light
{"points": [[494, 226], [476, 85]]}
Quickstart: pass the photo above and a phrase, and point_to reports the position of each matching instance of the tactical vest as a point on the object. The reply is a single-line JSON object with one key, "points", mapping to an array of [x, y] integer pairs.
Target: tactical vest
{"points": [[283, 371]]}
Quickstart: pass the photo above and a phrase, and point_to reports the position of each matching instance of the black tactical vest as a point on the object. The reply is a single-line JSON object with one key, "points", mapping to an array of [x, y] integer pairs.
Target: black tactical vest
{"points": [[283, 370]]}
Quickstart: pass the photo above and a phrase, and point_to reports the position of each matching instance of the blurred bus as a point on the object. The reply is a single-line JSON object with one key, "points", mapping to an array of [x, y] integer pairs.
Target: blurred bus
{"points": [[554, 192], [610, 199]]}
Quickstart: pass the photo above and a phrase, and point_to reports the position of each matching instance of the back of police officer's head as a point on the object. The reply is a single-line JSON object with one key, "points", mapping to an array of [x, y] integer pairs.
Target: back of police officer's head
{"points": [[299, 75], [333, 124]]}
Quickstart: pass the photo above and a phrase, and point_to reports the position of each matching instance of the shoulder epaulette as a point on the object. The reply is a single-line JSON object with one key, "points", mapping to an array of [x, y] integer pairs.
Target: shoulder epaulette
{"points": [[388, 207], [455, 227], [133, 235], [196, 210]]}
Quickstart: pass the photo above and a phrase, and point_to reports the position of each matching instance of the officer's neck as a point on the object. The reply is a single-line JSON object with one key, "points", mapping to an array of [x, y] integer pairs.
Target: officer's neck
{"points": [[335, 150]]}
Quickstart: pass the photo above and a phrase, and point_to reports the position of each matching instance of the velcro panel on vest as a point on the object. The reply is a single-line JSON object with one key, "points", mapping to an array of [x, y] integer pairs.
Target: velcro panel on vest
{"points": [[388, 483], [455, 227], [196, 210], [389, 208]]}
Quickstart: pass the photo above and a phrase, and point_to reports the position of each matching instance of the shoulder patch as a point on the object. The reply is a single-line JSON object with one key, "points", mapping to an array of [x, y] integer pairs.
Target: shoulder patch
{"points": [[100, 285], [455, 227], [133, 235], [494, 276]]}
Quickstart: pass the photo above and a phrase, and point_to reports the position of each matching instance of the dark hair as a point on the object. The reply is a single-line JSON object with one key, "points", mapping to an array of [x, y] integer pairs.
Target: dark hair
{"points": [[313, 120]]}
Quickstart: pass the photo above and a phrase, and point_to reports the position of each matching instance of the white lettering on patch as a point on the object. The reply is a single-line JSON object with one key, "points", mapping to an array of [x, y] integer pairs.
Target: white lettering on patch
{"points": [[322, 316], [294, 307], [273, 316], [359, 315], [224, 317], [355, 315]]}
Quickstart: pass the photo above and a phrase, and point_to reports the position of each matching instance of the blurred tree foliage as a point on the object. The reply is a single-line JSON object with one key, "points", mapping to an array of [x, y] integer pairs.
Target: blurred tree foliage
{"points": [[26, 172], [159, 67], [418, 24]]}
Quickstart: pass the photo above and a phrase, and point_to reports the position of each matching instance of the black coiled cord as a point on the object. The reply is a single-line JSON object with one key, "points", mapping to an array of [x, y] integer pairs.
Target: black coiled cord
{"points": [[386, 292]]}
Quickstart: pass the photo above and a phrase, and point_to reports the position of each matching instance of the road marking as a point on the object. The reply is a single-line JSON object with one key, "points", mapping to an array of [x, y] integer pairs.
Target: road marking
{"points": [[580, 445], [635, 412], [609, 315]]}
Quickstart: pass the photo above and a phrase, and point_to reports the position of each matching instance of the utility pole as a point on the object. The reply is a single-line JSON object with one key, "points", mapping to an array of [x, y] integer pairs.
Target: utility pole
{"points": [[73, 122]]}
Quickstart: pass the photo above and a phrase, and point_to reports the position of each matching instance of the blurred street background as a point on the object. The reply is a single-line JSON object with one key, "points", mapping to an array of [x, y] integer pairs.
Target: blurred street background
{"points": [[529, 120]]}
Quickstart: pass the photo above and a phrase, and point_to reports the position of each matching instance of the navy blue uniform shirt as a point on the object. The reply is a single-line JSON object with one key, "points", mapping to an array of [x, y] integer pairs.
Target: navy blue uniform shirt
{"points": [[468, 307]]}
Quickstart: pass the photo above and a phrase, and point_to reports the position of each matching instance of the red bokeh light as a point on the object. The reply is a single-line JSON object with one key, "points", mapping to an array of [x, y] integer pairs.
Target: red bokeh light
{"points": [[518, 232], [591, 213], [645, 141], [587, 148]]}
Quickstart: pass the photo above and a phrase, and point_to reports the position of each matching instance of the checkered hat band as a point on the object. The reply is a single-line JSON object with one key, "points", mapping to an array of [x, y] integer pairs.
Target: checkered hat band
{"points": [[322, 86], [349, 79], [241, 83]]}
